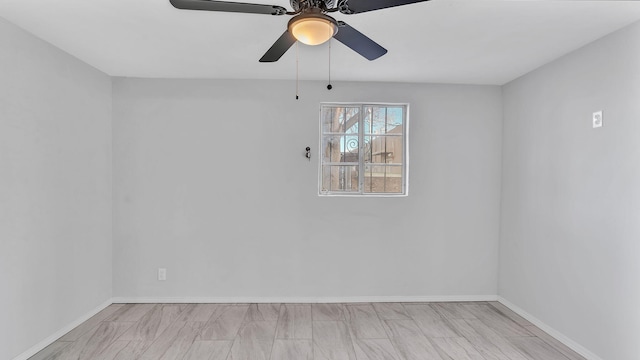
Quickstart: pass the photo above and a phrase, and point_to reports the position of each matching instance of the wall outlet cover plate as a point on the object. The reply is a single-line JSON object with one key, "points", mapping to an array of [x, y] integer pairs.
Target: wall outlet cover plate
{"points": [[597, 119]]}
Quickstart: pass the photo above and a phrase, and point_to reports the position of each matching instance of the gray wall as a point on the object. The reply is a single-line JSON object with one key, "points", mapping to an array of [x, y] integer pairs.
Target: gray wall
{"points": [[211, 183], [55, 190], [570, 237]]}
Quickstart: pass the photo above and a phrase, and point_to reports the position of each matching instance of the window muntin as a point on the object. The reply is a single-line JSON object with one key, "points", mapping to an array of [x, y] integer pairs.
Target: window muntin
{"points": [[363, 149]]}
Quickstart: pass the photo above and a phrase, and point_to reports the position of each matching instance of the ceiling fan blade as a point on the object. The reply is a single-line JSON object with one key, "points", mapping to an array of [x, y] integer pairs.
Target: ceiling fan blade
{"points": [[212, 5], [360, 6], [278, 48], [358, 42]]}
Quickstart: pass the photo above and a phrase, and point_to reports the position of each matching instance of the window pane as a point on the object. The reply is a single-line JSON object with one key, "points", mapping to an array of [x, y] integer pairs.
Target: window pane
{"points": [[383, 120], [340, 178], [395, 116], [331, 119], [367, 113], [383, 149], [340, 149], [375, 119], [383, 179], [340, 120], [352, 117]]}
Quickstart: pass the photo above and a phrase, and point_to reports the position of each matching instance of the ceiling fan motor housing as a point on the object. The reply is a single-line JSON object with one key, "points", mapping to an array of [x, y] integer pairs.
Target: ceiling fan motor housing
{"points": [[305, 5]]}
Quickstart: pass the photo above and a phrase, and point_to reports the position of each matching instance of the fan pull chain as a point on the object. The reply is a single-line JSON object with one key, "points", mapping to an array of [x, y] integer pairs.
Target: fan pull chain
{"points": [[329, 87], [297, 70]]}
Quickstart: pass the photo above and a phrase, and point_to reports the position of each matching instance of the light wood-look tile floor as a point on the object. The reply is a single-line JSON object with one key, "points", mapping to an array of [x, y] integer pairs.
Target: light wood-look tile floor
{"points": [[364, 331]]}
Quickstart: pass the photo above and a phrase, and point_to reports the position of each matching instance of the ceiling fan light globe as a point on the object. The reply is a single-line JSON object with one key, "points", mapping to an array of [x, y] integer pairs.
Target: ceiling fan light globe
{"points": [[313, 30]]}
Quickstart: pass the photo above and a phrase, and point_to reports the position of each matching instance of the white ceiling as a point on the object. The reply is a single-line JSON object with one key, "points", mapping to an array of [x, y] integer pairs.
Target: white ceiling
{"points": [[444, 41]]}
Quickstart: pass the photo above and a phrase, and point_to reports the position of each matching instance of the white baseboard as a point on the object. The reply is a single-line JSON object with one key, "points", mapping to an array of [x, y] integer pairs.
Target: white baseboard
{"points": [[304, 300], [58, 334], [584, 352]]}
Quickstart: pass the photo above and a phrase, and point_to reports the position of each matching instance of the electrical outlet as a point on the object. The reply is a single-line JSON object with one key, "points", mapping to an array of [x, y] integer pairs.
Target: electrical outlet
{"points": [[162, 274], [597, 119]]}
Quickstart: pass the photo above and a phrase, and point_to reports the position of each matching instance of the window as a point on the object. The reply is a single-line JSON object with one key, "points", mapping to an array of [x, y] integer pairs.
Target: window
{"points": [[363, 149]]}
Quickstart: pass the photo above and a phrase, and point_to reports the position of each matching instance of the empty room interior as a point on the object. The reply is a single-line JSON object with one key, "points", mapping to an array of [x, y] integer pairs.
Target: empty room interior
{"points": [[320, 180]]}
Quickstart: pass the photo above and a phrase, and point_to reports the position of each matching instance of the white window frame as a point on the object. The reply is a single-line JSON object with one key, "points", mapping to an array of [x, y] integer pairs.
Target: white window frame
{"points": [[361, 156]]}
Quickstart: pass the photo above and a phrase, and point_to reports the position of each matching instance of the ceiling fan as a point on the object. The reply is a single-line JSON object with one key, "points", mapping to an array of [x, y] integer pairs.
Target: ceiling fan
{"points": [[310, 23]]}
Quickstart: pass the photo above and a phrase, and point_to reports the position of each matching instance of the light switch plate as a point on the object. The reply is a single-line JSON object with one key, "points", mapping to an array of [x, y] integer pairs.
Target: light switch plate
{"points": [[162, 274], [597, 119]]}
